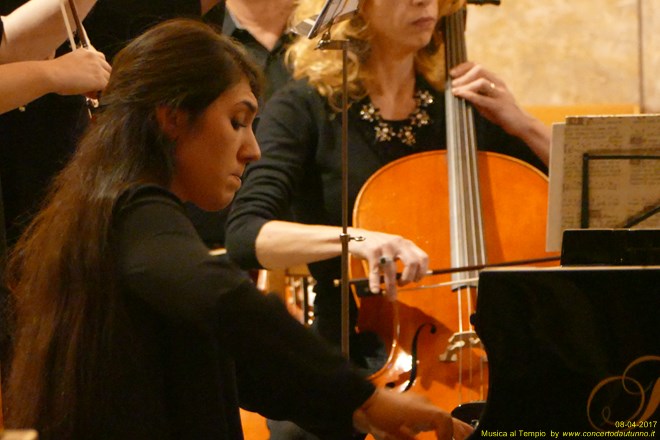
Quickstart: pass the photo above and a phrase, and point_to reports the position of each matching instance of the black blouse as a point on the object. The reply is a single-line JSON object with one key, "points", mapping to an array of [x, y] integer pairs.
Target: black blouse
{"points": [[299, 174], [204, 340]]}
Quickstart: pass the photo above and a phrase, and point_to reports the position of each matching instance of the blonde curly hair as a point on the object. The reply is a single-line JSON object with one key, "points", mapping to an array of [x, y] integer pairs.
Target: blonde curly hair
{"points": [[323, 68]]}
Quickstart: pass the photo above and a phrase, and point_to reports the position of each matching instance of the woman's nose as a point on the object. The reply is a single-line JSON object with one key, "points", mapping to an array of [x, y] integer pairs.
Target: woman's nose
{"points": [[250, 150]]}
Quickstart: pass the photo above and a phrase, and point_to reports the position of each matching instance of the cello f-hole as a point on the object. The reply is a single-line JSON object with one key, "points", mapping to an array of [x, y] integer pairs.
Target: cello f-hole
{"points": [[413, 371]]}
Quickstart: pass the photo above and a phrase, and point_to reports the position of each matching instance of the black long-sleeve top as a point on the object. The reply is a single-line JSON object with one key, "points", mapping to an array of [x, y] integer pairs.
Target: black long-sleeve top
{"points": [[203, 340], [299, 174]]}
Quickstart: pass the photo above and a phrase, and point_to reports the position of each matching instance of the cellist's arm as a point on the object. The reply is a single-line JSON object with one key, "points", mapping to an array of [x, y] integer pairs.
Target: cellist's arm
{"points": [[34, 30], [534, 133], [492, 98], [281, 244]]}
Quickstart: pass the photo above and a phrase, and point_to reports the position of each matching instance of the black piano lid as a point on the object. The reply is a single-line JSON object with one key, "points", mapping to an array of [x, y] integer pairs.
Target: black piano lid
{"points": [[558, 341]]}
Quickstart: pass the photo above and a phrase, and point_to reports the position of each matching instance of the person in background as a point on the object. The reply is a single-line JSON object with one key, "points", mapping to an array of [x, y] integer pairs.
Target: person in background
{"points": [[39, 138], [261, 26], [29, 36], [396, 109], [127, 328]]}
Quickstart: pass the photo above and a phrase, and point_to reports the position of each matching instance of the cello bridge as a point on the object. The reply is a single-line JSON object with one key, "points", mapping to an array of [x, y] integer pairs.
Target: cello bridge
{"points": [[459, 341]]}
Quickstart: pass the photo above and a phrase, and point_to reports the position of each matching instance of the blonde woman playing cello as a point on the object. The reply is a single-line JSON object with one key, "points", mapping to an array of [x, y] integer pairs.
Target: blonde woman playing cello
{"points": [[396, 109]]}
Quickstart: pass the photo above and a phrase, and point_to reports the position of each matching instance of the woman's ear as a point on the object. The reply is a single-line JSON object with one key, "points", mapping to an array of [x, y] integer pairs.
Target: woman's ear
{"points": [[173, 122]]}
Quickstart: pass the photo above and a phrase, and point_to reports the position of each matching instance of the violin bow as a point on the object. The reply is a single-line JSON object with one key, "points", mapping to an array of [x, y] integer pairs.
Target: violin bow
{"points": [[362, 284], [79, 40]]}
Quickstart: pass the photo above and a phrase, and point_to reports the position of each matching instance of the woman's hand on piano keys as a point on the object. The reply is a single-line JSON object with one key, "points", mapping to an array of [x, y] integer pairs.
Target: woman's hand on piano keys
{"points": [[389, 415]]}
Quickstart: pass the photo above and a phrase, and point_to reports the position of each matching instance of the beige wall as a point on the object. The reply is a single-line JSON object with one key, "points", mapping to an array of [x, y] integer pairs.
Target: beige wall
{"points": [[571, 51]]}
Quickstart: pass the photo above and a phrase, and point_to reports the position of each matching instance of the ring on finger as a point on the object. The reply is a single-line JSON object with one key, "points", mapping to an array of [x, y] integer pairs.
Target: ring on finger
{"points": [[384, 261], [489, 89]]}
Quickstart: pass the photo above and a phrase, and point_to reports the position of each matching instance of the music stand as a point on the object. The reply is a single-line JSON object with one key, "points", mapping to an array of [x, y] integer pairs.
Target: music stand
{"points": [[584, 207], [333, 12], [603, 174]]}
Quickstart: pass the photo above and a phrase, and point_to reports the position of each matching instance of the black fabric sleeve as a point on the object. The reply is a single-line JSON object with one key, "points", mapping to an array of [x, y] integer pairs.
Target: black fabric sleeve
{"points": [[286, 131], [283, 370]]}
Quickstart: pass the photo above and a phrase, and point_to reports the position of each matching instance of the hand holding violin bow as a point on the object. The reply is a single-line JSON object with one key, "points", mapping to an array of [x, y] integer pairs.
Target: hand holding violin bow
{"points": [[79, 73], [89, 72]]}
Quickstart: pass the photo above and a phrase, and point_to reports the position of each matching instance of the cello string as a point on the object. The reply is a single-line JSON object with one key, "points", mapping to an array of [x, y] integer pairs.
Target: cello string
{"points": [[452, 113], [474, 232], [471, 246], [455, 158], [476, 256], [473, 225], [452, 141]]}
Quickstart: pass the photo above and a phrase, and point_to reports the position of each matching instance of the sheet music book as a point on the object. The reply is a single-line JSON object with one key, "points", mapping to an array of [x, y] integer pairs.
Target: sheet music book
{"points": [[333, 11], [619, 189]]}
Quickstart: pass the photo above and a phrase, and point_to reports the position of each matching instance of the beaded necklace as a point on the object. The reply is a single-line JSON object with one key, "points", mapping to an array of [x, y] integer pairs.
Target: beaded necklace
{"points": [[384, 131]]}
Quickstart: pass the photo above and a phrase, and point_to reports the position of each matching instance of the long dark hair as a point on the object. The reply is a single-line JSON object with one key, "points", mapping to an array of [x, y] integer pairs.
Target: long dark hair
{"points": [[62, 271]]}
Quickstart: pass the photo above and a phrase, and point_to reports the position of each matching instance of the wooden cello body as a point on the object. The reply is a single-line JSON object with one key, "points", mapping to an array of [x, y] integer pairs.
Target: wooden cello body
{"points": [[409, 197], [464, 208]]}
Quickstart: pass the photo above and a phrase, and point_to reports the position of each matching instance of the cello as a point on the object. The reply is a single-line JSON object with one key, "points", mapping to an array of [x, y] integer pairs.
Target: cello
{"points": [[470, 209]]}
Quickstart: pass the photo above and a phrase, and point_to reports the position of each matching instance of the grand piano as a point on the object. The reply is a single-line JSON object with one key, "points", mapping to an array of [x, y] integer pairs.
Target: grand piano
{"points": [[574, 348]]}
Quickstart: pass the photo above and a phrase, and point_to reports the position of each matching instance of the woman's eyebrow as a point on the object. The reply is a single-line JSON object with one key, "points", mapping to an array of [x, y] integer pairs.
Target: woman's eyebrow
{"points": [[250, 105]]}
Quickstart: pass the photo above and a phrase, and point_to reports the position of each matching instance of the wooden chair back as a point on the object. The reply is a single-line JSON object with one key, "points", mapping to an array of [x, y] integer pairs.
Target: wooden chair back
{"points": [[550, 114]]}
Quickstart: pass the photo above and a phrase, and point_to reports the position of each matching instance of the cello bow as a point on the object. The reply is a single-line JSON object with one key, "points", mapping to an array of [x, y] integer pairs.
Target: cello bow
{"points": [[361, 285]]}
